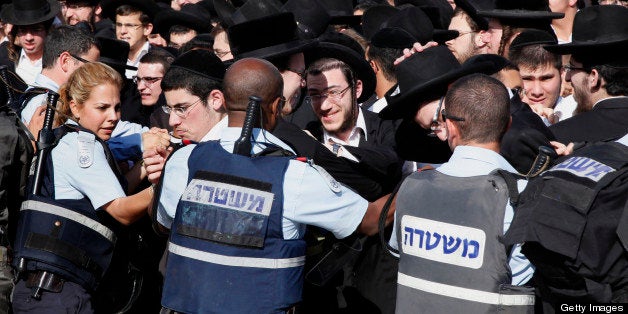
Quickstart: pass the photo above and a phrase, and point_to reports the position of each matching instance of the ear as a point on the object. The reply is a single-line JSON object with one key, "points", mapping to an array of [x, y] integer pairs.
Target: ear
{"points": [[358, 89], [572, 3], [148, 29], [481, 39], [594, 80], [64, 60], [74, 109], [98, 10], [453, 134], [374, 66], [216, 100]]}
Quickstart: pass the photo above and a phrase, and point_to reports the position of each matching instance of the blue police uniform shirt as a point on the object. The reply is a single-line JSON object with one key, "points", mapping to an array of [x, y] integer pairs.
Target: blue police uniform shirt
{"points": [[469, 161], [623, 140], [97, 182], [40, 81], [308, 199]]}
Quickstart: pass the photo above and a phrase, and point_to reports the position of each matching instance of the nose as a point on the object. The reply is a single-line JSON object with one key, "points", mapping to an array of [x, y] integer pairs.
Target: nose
{"points": [[536, 89], [174, 120]]}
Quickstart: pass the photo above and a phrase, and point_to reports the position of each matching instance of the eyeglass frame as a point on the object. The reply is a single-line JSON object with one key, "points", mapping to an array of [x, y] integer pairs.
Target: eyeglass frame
{"points": [[460, 34], [335, 95], [434, 124], [128, 25], [569, 68], [79, 58], [445, 116], [148, 80], [185, 111]]}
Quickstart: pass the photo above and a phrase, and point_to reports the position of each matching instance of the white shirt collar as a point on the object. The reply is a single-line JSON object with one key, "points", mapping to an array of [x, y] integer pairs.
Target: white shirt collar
{"points": [[216, 131]]}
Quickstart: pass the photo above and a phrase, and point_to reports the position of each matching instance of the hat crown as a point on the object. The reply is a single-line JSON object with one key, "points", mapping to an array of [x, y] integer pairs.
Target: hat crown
{"points": [[29, 5], [414, 21], [611, 24], [425, 66], [312, 18], [201, 62], [254, 9], [338, 7], [263, 32]]}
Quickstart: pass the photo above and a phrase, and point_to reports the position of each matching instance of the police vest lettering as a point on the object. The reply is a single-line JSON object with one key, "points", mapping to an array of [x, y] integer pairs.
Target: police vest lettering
{"points": [[228, 196], [584, 167], [443, 242]]}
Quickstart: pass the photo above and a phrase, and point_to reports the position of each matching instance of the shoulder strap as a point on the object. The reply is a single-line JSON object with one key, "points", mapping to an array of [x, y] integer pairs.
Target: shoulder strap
{"points": [[511, 184], [29, 94]]}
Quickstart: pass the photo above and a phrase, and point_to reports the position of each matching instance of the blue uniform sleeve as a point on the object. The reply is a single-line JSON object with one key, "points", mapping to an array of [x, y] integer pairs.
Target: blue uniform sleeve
{"points": [[97, 182], [309, 200], [29, 110], [174, 182], [126, 141]]}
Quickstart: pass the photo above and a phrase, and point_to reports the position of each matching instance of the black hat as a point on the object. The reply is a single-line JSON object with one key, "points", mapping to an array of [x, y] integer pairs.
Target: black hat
{"points": [[393, 37], [341, 12], [490, 63], [148, 7], [471, 8], [267, 37], [191, 16], [353, 59], [114, 52], [423, 76], [521, 10], [224, 9], [374, 17], [255, 9], [439, 11], [531, 37], [29, 12], [416, 22], [597, 27], [91, 3], [202, 62], [312, 18]]}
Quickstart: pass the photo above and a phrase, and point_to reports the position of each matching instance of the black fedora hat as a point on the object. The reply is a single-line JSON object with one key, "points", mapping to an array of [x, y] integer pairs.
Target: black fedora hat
{"points": [[393, 37], [341, 12], [521, 10], [255, 9], [92, 3], [312, 18], [28, 12], [597, 27], [374, 18], [471, 8], [201, 62], [114, 52], [267, 37], [487, 63], [424, 76], [192, 16], [148, 7], [531, 37], [416, 22], [353, 59], [224, 10]]}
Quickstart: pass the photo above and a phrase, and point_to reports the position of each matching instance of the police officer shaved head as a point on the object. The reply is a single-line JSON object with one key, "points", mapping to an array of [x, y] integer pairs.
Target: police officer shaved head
{"points": [[483, 103], [248, 77]]}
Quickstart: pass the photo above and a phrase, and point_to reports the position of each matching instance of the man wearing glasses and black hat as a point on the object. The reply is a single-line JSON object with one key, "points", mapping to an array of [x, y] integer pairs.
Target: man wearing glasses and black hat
{"points": [[598, 72]]}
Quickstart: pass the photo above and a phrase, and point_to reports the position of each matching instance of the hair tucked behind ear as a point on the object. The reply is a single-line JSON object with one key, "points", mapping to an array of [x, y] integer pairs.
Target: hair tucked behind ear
{"points": [[80, 85]]}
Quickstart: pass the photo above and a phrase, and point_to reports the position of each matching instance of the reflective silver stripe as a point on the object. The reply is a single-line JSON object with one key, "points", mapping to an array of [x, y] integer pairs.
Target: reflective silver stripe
{"points": [[72, 215], [253, 262], [464, 293]]}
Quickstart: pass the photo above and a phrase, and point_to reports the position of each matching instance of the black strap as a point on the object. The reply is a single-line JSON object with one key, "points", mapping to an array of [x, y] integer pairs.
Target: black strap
{"points": [[157, 194], [63, 249], [382, 218], [511, 184]]}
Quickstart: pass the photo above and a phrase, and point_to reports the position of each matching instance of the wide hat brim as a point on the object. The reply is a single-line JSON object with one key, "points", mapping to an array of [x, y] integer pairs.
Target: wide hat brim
{"points": [[444, 35], [11, 16], [520, 14], [406, 103], [116, 63], [472, 12], [165, 20], [279, 50], [589, 47], [356, 62], [109, 7]]}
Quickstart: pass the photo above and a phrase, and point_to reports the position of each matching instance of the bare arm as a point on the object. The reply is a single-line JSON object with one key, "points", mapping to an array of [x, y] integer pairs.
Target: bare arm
{"points": [[370, 221], [127, 210]]}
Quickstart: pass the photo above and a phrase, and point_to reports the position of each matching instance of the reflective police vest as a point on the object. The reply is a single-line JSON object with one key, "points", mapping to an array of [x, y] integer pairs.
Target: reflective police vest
{"points": [[226, 252], [67, 237], [574, 222], [451, 260]]}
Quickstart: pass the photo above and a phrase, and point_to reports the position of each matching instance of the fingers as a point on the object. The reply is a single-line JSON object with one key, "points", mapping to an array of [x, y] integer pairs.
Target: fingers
{"points": [[416, 47]]}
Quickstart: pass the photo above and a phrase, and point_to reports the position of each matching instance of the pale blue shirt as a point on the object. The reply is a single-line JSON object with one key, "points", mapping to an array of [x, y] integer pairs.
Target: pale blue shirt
{"points": [[469, 161], [97, 182], [40, 81], [307, 197]]}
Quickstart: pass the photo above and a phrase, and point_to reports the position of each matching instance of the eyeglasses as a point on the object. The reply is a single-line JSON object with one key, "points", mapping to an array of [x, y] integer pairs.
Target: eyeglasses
{"points": [[460, 34], [148, 81], [79, 58], [299, 73], [450, 117], [568, 68], [332, 95], [180, 111], [434, 125], [128, 25]]}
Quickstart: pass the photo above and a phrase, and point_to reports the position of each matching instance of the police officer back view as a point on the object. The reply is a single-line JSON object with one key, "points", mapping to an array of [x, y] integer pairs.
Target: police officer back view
{"points": [[448, 220], [236, 243]]}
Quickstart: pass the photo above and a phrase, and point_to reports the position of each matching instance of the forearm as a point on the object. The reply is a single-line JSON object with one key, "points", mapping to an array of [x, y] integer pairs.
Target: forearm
{"points": [[370, 221], [135, 176], [129, 209]]}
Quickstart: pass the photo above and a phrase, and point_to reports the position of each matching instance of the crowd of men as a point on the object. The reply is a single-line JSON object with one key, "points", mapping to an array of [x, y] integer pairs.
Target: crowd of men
{"points": [[333, 156]]}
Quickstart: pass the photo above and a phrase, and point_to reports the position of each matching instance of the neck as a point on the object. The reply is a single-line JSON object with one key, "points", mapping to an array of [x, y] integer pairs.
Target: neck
{"points": [[134, 52], [563, 27], [54, 76], [494, 146], [383, 85], [34, 56]]}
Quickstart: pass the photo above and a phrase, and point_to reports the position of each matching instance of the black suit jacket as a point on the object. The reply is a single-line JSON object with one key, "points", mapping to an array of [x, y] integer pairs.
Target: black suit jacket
{"points": [[607, 120]]}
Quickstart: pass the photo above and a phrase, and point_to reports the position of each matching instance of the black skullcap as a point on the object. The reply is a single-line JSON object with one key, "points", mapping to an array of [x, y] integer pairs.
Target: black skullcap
{"points": [[201, 62]]}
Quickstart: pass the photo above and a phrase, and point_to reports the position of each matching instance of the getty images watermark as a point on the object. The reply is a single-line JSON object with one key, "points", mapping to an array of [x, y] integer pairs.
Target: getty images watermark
{"points": [[592, 308]]}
